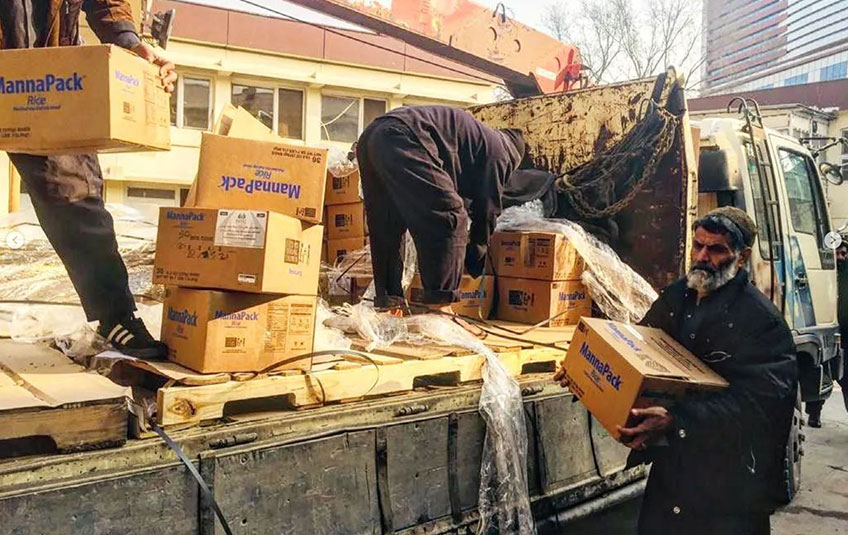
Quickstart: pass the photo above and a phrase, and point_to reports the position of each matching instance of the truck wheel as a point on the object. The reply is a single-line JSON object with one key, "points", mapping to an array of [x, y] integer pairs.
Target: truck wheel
{"points": [[791, 480]]}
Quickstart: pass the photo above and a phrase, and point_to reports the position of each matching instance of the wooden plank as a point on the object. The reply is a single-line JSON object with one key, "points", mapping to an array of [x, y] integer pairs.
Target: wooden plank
{"points": [[45, 394], [180, 403]]}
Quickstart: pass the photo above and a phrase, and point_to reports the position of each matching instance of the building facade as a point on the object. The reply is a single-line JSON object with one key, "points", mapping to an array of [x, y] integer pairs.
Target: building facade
{"points": [[310, 82], [772, 43]]}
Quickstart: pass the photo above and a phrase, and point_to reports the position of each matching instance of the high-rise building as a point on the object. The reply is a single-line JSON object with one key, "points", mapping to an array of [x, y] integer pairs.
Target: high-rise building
{"points": [[771, 43]]}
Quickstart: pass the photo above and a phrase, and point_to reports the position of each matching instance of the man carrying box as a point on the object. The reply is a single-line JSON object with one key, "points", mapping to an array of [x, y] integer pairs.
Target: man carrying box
{"points": [[431, 169], [66, 190], [717, 456]]}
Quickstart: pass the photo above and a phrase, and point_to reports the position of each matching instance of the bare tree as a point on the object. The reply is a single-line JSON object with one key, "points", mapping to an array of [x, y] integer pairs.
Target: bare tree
{"points": [[590, 31], [623, 39]]}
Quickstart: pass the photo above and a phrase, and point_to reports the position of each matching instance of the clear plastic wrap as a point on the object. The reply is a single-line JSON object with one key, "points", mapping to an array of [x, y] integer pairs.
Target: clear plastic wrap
{"points": [[34, 272], [327, 337], [621, 293], [338, 163]]}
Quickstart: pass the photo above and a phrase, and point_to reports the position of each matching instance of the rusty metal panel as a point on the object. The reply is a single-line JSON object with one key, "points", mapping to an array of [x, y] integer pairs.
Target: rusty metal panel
{"points": [[566, 458], [567, 130], [129, 504], [418, 471], [610, 455], [324, 486]]}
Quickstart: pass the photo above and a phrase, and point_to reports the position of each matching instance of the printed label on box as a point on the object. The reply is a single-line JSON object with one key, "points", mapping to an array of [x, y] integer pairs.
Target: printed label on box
{"points": [[246, 278], [241, 228]]}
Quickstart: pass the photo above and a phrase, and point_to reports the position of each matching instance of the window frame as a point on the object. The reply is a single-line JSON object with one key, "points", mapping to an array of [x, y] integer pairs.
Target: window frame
{"points": [[275, 87], [360, 126], [179, 89]]}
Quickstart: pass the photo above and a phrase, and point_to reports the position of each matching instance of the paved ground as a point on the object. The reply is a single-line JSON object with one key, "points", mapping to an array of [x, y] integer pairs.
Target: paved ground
{"points": [[821, 507]]}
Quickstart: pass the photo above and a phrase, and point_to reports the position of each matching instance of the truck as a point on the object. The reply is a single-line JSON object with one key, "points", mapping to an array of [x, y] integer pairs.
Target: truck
{"points": [[410, 463]]}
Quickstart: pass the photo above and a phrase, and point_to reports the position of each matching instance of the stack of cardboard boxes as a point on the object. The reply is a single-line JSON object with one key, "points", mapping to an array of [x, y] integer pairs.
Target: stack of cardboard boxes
{"points": [[538, 277], [344, 216], [242, 262]]}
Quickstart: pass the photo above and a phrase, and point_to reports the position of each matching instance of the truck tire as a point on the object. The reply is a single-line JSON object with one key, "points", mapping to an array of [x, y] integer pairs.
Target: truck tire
{"points": [[791, 480]]}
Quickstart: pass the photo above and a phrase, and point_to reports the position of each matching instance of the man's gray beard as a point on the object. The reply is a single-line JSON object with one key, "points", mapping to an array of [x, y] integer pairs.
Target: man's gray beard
{"points": [[704, 282]]}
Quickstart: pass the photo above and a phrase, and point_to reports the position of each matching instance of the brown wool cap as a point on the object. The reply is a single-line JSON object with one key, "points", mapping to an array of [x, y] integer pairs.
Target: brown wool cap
{"points": [[742, 220]]}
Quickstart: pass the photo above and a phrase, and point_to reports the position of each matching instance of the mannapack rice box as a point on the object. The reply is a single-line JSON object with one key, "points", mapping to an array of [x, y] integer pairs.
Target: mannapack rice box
{"points": [[211, 331], [613, 368], [242, 250], [63, 100], [249, 174]]}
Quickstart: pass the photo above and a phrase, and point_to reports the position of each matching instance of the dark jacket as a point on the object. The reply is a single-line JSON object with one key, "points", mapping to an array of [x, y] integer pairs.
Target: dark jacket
{"points": [[726, 449], [41, 23], [479, 159]]}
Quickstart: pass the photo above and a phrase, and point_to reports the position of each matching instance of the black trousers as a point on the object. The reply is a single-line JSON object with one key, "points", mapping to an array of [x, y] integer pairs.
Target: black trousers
{"points": [[404, 188], [67, 195]]}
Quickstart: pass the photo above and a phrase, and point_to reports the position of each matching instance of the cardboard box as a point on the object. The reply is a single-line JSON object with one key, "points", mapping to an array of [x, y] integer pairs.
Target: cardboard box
{"points": [[211, 331], [246, 174], [613, 368], [532, 301], [77, 99], [476, 296], [535, 255], [342, 189], [238, 122], [338, 249], [346, 221], [242, 250], [235, 122]]}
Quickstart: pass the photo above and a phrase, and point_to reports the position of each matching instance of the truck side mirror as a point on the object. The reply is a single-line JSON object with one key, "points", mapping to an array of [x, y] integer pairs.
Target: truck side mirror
{"points": [[716, 173], [831, 173]]}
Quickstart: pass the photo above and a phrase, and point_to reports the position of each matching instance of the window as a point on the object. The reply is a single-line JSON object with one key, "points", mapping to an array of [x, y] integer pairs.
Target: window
{"points": [[259, 101], [373, 108], [191, 103], [796, 80], [802, 189], [150, 193], [834, 72], [344, 118], [290, 113]]}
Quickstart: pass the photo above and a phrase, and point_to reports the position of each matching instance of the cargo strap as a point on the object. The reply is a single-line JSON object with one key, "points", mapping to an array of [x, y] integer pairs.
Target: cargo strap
{"points": [[204, 488]]}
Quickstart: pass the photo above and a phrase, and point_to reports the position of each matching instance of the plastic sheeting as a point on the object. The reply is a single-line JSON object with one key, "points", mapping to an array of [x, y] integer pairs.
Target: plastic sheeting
{"points": [[34, 272], [338, 163], [621, 293]]}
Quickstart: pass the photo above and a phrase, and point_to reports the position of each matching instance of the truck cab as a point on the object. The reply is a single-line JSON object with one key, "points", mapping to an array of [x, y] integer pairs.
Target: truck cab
{"points": [[777, 181]]}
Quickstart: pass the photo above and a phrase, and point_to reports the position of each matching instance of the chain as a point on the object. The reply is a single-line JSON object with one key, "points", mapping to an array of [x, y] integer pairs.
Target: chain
{"points": [[629, 164]]}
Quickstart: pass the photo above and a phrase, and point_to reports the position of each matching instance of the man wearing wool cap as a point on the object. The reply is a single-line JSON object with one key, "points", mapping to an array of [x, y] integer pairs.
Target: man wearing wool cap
{"points": [[717, 457]]}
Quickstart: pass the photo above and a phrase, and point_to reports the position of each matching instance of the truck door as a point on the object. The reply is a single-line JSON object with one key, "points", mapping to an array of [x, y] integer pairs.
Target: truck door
{"points": [[811, 264]]}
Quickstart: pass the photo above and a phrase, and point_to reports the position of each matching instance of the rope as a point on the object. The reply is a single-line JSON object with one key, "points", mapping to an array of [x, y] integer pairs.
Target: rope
{"points": [[595, 188]]}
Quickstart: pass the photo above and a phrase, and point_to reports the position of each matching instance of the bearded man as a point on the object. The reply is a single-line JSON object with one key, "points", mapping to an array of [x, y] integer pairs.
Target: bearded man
{"points": [[717, 456]]}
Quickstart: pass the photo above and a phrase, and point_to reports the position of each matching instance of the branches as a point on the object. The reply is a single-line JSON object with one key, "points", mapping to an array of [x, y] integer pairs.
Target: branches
{"points": [[622, 39]]}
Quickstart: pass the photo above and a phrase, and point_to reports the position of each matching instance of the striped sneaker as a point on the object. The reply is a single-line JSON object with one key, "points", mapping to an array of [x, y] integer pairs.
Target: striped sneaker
{"points": [[132, 338]]}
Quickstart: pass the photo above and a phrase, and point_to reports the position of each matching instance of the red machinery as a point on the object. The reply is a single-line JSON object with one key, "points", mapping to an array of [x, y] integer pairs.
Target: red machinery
{"points": [[530, 62]]}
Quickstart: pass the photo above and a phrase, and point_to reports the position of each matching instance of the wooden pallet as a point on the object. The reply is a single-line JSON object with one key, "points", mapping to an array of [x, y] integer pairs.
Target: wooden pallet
{"points": [[43, 394], [395, 372]]}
